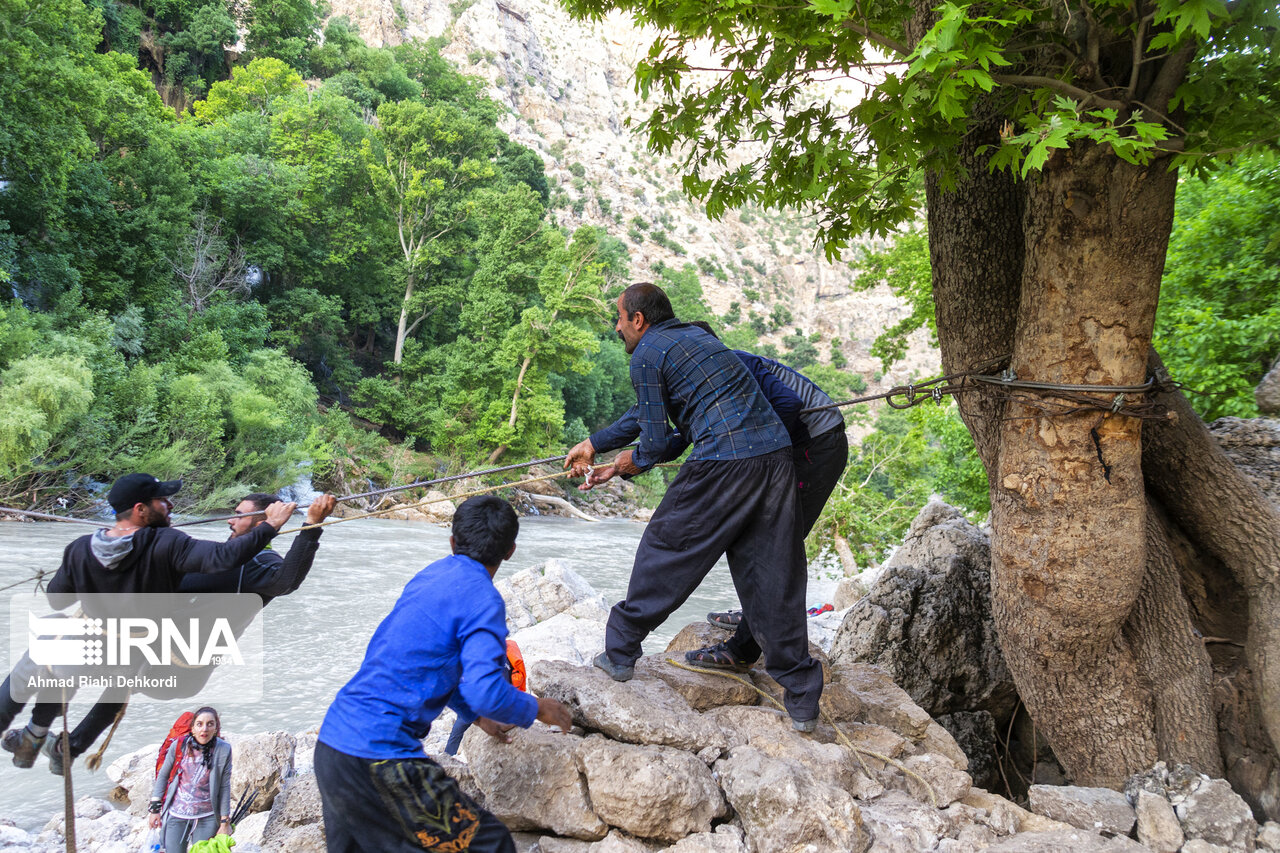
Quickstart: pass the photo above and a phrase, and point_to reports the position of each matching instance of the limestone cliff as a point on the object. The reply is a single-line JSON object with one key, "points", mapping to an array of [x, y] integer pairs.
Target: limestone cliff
{"points": [[570, 90]]}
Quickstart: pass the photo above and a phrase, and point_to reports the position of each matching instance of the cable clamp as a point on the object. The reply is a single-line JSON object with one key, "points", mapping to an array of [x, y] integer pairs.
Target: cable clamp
{"points": [[1117, 403], [1008, 375], [937, 394], [911, 393]]}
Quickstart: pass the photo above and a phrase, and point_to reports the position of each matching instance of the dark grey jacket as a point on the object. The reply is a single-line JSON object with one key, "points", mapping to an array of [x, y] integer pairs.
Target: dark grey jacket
{"points": [[219, 778]]}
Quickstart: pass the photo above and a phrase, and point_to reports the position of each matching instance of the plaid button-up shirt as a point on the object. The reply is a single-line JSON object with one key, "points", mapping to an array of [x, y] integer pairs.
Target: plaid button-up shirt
{"points": [[691, 389]]}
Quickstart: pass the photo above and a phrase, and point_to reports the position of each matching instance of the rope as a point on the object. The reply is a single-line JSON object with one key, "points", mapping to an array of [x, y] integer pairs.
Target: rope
{"points": [[49, 517], [415, 485], [421, 503], [38, 577], [858, 751], [93, 762]]}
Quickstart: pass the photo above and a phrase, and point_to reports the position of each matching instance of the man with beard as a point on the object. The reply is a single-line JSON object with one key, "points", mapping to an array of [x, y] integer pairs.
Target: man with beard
{"points": [[266, 574], [140, 553]]}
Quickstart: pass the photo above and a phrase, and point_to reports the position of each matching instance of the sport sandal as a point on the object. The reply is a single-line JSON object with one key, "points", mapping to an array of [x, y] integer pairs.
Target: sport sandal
{"points": [[716, 657], [727, 619]]}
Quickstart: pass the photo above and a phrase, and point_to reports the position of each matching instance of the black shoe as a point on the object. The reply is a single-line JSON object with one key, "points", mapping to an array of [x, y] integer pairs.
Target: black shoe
{"points": [[616, 671], [805, 726]]}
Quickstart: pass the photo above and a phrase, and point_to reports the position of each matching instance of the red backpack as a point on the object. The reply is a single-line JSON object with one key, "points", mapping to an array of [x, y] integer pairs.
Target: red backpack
{"points": [[180, 728]]}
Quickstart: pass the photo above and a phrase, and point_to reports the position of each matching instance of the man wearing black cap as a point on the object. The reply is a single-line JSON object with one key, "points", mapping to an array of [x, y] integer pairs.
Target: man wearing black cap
{"points": [[140, 553]]}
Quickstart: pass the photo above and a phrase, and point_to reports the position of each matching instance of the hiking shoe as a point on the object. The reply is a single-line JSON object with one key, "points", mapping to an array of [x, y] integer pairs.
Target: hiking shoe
{"points": [[53, 750], [805, 726], [23, 744], [617, 672], [716, 657], [727, 619]]}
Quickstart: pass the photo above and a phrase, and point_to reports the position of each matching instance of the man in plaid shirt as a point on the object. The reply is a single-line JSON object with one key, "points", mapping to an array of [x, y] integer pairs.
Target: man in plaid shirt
{"points": [[735, 495]]}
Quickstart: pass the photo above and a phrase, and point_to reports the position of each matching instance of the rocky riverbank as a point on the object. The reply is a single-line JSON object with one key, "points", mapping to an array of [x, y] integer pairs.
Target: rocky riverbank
{"points": [[695, 762]]}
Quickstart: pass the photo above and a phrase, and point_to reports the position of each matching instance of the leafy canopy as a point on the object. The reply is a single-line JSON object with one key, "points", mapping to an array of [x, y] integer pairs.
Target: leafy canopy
{"points": [[831, 104]]}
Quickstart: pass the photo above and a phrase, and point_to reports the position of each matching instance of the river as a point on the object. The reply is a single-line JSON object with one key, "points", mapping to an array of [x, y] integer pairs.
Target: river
{"points": [[315, 638]]}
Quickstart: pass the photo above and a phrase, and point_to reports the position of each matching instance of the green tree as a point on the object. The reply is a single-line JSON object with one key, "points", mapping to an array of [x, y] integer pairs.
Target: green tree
{"points": [[424, 162], [552, 336], [282, 29], [254, 87], [40, 397], [1218, 325], [1046, 134]]}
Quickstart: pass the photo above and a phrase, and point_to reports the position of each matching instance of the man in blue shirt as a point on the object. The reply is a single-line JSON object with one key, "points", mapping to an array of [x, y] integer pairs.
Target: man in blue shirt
{"points": [[443, 644], [734, 496]]}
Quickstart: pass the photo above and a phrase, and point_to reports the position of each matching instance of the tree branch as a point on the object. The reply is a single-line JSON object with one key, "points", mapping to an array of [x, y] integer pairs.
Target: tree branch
{"points": [[1171, 75], [882, 40], [1035, 82]]}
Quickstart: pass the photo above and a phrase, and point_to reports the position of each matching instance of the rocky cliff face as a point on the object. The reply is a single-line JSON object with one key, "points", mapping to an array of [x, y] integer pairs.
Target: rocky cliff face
{"points": [[570, 90]]}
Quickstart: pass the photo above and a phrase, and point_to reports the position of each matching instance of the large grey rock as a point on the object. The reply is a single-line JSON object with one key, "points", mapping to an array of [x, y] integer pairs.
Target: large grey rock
{"points": [[849, 592], [1253, 444], [1267, 394], [1094, 809], [261, 763], [534, 782], [1008, 818], [133, 775], [726, 839], [1216, 814], [1269, 837], [927, 620], [859, 692], [897, 823], [828, 763], [536, 594], [296, 807], [614, 842], [696, 635], [1065, 841], [563, 637], [650, 791], [251, 829], [929, 778], [1158, 827], [783, 809], [702, 690], [644, 710], [112, 830]]}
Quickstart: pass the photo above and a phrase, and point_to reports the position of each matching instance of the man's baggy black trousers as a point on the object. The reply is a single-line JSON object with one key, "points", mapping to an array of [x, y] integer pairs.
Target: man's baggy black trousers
{"points": [[820, 464], [745, 509]]}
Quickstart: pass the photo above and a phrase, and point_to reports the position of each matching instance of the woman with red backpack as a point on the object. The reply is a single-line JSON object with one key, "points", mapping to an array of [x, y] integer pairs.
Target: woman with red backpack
{"points": [[192, 792]]}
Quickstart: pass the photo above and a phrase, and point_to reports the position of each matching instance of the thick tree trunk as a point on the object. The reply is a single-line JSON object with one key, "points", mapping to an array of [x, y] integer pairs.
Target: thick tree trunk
{"points": [[1068, 511], [1231, 573], [1088, 585]]}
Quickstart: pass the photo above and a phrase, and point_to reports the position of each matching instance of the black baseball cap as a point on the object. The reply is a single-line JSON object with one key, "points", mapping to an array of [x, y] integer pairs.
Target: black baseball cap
{"points": [[139, 488]]}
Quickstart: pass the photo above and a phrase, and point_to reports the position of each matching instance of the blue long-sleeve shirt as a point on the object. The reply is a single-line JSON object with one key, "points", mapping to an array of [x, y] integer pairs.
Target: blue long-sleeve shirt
{"points": [[442, 644], [691, 389]]}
